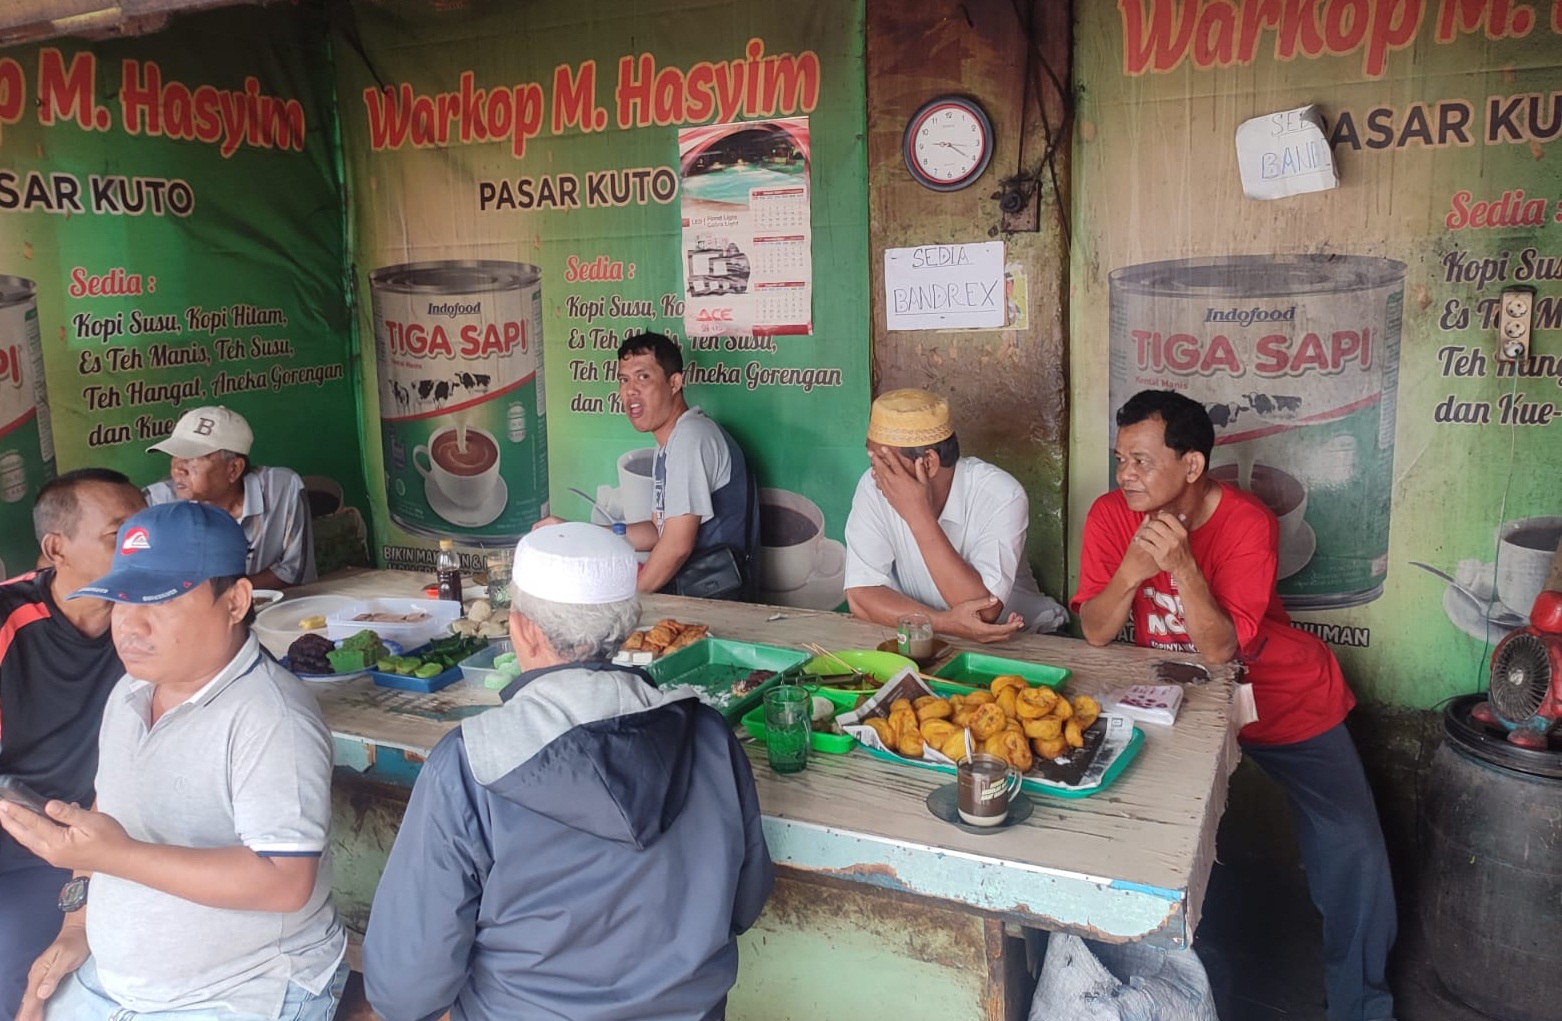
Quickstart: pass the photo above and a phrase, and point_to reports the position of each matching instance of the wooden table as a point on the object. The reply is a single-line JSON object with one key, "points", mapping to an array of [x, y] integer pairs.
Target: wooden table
{"points": [[1129, 863]]}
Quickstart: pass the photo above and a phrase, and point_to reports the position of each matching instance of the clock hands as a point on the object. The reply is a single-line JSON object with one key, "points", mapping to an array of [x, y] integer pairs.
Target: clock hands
{"points": [[956, 148]]}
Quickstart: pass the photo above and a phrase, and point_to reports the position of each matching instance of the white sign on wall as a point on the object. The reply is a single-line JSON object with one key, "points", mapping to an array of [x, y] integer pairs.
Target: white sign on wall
{"points": [[1285, 153], [944, 287]]}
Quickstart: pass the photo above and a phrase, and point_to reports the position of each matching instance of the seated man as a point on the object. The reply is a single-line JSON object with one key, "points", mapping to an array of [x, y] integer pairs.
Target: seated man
{"points": [[592, 848], [209, 451], [210, 889], [1190, 564], [933, 532], [57, 667], [703, 536]]}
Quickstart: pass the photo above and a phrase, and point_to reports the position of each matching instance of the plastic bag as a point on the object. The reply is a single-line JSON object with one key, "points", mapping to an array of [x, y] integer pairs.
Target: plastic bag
{"points": [[1085, 981]]}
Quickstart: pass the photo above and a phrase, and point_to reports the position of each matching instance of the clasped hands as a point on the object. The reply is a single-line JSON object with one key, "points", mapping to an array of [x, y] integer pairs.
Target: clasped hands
{"points": [[1160, 544]]}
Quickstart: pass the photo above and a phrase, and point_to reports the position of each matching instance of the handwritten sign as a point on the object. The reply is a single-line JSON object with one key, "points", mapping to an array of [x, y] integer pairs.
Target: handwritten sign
{"points": [[944, 287], [1285, 153]]}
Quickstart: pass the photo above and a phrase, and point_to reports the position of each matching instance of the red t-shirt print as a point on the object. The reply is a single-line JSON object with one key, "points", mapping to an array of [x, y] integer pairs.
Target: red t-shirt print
{"points": [[1297, 682]]}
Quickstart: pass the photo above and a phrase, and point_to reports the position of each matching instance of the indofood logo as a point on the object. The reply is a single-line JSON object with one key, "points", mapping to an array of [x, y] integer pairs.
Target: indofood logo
{"points": [[451, 309], [1248, 316]]}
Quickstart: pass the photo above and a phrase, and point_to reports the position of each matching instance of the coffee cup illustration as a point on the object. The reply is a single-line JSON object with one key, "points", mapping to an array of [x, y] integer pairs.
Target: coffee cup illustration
{"points": [[1285, 495], [1524, 551], [790, 529], [635, 483], [464, 474]]}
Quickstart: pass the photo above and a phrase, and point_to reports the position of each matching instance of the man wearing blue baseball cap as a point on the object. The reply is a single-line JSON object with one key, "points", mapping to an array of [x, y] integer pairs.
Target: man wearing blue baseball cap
{"points": [[206, 857]]}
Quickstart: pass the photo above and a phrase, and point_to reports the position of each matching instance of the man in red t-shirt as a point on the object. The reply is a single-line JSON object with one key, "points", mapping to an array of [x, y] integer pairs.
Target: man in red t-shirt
{"points": [[1190, 564]]}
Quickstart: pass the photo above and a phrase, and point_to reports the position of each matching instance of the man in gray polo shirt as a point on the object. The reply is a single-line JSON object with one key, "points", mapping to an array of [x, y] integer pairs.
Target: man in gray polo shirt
{"points": [[209, 461], [210, 878]]}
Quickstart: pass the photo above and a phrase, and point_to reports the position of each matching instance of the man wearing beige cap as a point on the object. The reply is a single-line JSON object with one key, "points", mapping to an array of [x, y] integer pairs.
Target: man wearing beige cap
{"points": [[210, 463], [592, 848], [936, 533]]}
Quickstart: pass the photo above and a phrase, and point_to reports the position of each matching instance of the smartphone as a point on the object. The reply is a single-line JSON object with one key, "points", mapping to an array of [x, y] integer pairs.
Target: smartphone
{"points": [[18, 793]]}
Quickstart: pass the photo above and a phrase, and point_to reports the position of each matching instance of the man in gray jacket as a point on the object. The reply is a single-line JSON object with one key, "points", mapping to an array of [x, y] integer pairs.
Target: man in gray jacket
{"points": [[591, 849]]}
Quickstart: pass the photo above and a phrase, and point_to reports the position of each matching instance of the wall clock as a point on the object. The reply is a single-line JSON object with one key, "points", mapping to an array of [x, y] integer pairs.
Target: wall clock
{"points": [[947, 143]]}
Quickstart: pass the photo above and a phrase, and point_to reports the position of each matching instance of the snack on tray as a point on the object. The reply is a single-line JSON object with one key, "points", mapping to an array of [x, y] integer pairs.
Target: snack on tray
{"points": [[1010, 719], [314, 623], [664, 636], [310, 654]]}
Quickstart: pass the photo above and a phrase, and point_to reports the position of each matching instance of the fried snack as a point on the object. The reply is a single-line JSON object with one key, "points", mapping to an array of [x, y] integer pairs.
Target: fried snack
{"points": [[977, 698], [903, 720], [957, 745], [1014, 726], [1086, 710], [936, 732], [659, 636], [987, 721], [911, 744], [962, 717], [956, 702], [901, 703], [883, 729], [1012, 747], [1073, 734], [635, 642], [1030, 704], [936, 709], [687, 637], [1006, 701], [1056, 748], [672, 625], [1002, 681], [1046, 729], [1062, 710]]}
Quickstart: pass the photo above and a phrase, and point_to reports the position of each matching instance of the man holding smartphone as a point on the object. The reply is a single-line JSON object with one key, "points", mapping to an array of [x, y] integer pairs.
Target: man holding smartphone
{"points": [[57, 666], [210, 879]]}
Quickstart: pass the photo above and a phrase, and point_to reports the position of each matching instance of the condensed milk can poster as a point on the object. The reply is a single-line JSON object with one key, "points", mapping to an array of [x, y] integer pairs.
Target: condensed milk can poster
{"points": [[170, 237], [519, 176], [747, 230], [1344, 342]]}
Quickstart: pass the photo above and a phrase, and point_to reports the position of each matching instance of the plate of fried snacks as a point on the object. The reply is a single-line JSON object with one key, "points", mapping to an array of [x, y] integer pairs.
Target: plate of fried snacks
{"points": [[1062, 746], [649, 643]]}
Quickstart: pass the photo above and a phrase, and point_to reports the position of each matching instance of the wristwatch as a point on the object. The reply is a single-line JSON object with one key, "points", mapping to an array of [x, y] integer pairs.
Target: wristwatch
{"points": [[73, 895]]}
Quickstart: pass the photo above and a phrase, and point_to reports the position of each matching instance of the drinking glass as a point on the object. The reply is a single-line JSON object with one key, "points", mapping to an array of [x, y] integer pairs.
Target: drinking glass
{"points": [[914, 635], [788, 709], [499, 579]]}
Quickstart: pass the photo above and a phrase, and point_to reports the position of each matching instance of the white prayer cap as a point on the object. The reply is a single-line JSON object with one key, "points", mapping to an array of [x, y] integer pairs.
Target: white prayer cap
{"points": [[574, 562]]}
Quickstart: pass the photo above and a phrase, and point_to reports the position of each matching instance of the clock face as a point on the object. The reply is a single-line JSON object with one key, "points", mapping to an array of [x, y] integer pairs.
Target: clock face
{"points": [[948, 143]]}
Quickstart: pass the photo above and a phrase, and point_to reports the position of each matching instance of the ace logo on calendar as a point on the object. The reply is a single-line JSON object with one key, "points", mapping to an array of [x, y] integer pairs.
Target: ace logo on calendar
{"points": [[747, 228]]}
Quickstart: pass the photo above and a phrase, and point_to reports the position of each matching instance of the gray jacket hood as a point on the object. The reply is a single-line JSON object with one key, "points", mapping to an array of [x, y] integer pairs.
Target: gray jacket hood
{"points": [[595, 747]]}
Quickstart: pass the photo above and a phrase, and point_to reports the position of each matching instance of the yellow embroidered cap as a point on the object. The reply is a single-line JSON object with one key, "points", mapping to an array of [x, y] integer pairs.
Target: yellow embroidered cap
{"points": [[909, 418]]}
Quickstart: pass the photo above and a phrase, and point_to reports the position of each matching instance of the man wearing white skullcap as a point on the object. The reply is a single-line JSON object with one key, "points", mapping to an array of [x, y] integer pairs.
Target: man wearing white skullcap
{"points": [[590, 849]]}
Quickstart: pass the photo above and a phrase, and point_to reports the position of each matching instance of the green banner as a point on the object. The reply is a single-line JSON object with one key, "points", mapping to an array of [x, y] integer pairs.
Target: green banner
{"points": [[515, 183], [172, 206], [1346, 341]]}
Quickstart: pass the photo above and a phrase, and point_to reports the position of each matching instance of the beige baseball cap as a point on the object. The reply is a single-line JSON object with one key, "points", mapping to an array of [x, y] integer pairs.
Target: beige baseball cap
{"points": [[909, 418], [203, 431]]}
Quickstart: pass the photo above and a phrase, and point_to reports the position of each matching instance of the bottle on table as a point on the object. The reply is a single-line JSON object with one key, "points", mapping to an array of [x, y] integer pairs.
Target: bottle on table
{"points": [[448, 567]]}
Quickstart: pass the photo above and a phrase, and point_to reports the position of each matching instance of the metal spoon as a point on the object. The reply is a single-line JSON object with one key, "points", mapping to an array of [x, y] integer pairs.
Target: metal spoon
{"points": [[1495, 612]]}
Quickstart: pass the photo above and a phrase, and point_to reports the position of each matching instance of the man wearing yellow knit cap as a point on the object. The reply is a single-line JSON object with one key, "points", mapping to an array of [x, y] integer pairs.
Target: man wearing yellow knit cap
{"points": [[936, 533]]}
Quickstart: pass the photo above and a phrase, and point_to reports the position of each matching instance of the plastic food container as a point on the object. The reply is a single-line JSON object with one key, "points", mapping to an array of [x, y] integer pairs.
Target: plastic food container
{"points": [[833, 744], [478, 668], [713, 665], [880, 666], [977, 670], [441, 614]]}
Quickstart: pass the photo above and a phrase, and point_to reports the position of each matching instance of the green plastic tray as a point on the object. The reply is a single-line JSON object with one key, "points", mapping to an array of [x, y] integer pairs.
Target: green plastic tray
{"points": [[834, 744], [1130, 753], [713, 664], [977, 670], [881, 666]]}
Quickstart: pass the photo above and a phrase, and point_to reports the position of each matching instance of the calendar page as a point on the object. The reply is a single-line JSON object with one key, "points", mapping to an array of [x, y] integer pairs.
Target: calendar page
{"points": [[747, 228]]}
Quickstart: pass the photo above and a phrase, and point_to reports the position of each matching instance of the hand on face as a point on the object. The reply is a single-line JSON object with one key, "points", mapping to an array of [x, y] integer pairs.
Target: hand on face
{"points": [[1165, 540], [905, 484], [69, 838]]}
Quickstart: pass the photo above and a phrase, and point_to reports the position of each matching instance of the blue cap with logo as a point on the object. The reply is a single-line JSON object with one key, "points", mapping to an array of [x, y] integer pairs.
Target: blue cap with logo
{"points": [[167, 550]]}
